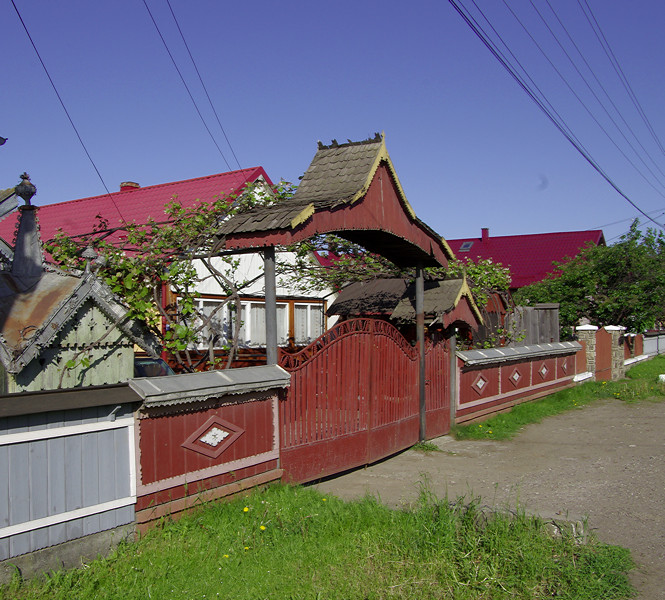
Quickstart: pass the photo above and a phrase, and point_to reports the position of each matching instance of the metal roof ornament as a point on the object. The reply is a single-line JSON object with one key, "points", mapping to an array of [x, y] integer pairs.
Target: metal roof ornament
{"points": [[89, 255], [26, 189]]}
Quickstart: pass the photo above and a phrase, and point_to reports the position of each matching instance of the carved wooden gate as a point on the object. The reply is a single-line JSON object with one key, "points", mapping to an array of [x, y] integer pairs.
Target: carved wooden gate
{"points": [[353, 400], [437, 388]]}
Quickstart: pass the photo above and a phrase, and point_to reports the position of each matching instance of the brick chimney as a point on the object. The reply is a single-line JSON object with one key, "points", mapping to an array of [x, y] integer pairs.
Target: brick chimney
{"points": [[128, 185], [485, 234]]}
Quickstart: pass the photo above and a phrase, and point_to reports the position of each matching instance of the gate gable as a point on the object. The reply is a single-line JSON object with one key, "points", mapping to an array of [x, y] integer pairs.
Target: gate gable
{"points": [[351, 190]]}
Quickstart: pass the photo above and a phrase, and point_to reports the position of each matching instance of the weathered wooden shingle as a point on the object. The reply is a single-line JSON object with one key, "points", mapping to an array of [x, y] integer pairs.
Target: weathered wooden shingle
{"points": [[396, 298], [374, 297], [338, 175], [350, 190], [440, 298]]}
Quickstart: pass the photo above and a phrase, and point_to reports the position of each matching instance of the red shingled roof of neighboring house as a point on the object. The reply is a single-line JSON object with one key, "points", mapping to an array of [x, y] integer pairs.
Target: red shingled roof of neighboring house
{"points": [[135, 204], [529, 257]]}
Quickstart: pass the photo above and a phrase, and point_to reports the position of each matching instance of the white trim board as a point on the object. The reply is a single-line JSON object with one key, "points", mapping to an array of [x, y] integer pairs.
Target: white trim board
{"points": [[56, 432], [194, 476], [78, 513]]}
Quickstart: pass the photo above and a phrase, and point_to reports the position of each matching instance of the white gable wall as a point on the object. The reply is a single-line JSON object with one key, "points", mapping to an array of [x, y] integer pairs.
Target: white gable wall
{"points": [[250, 268]]}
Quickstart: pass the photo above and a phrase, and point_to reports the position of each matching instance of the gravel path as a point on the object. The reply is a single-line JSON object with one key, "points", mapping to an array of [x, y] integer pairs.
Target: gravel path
{"points": [[604, 462]]}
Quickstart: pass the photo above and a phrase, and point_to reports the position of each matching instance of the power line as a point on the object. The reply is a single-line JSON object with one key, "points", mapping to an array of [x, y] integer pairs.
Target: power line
{"points": [[182, 79], [539, 98], [595, 26], [559, 124], [651, 212], [205, 89], [586, 108], [593, 93], [600, 85], [71, 121]]}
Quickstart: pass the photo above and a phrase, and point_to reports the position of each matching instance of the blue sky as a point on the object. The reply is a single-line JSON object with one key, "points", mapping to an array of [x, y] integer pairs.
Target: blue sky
{"points": [[470, 148]]}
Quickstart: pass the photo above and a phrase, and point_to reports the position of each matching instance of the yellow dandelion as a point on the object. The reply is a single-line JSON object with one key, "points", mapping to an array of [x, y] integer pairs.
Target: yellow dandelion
{"points": [[246, 547], [262, 528], [246, 509], [226, 556], [323, 499]]}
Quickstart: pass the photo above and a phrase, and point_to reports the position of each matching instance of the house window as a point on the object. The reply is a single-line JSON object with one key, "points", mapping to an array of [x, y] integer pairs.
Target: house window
{"points": [[253, 332], [252, 327], [219, 327], [307, 322]]}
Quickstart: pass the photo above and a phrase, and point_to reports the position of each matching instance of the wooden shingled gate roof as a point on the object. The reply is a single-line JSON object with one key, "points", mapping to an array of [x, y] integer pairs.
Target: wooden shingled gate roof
{"points": [[351, 190]]}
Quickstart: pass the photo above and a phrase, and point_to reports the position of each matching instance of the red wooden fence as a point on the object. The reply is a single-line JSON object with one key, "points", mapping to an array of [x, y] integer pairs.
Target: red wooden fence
{"points": [[354, 399]]}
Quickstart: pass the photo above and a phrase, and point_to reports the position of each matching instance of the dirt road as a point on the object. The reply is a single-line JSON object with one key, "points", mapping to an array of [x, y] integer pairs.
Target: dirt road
{"points": [[605, 462]]}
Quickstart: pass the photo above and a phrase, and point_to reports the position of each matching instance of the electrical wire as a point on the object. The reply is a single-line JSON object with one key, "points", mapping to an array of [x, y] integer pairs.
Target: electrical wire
{"points": [[559, 124], [538, 97], [71, 121], [601, 86], [205, 89], [595, 26], [602, 105], [184, 83], [586, 108], [651, 212]]}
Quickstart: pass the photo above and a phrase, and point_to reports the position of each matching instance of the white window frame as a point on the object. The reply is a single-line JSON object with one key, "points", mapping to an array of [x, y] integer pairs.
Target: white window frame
{"points": [[224, 316], [311, 307]]}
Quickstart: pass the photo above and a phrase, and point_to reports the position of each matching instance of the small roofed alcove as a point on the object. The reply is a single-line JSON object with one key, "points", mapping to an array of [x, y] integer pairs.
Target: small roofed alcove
{"points": [[446, 302], [58, 328]]}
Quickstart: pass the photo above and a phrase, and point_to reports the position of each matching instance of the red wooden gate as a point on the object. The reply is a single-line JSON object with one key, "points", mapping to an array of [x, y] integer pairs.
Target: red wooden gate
{"points": [[353, 400], [437, 388]]}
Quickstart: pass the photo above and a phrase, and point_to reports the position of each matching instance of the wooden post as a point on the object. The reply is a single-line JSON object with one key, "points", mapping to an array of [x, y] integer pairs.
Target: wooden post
{"points": [[420, 334], [452, 383], [271, 305]]}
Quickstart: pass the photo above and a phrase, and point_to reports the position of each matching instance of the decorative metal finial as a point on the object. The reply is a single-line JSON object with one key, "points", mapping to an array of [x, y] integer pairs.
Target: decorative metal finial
{"points": [[89, 255], [25, 189]]}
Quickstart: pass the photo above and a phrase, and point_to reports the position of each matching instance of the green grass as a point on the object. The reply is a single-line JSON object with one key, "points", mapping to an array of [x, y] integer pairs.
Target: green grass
{"points": [[426, 447], [293, 542], [641, 383]]}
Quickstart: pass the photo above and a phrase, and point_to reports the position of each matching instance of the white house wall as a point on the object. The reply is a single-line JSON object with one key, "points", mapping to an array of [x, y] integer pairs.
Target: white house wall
{"points": [[250, 268]]}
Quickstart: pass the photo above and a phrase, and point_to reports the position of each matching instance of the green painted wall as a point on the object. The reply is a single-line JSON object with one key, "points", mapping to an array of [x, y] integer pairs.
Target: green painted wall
{"points": [[111, 360]]}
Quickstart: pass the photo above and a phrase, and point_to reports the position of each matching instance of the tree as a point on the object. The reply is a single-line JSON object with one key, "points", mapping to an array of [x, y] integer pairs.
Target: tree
{"points": [[622, 284], [156, 255], [350, 263]]}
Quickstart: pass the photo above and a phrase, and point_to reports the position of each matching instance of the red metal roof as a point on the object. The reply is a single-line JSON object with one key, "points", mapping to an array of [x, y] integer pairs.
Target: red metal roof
{"points": [[134, 204], [529, 257]]}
